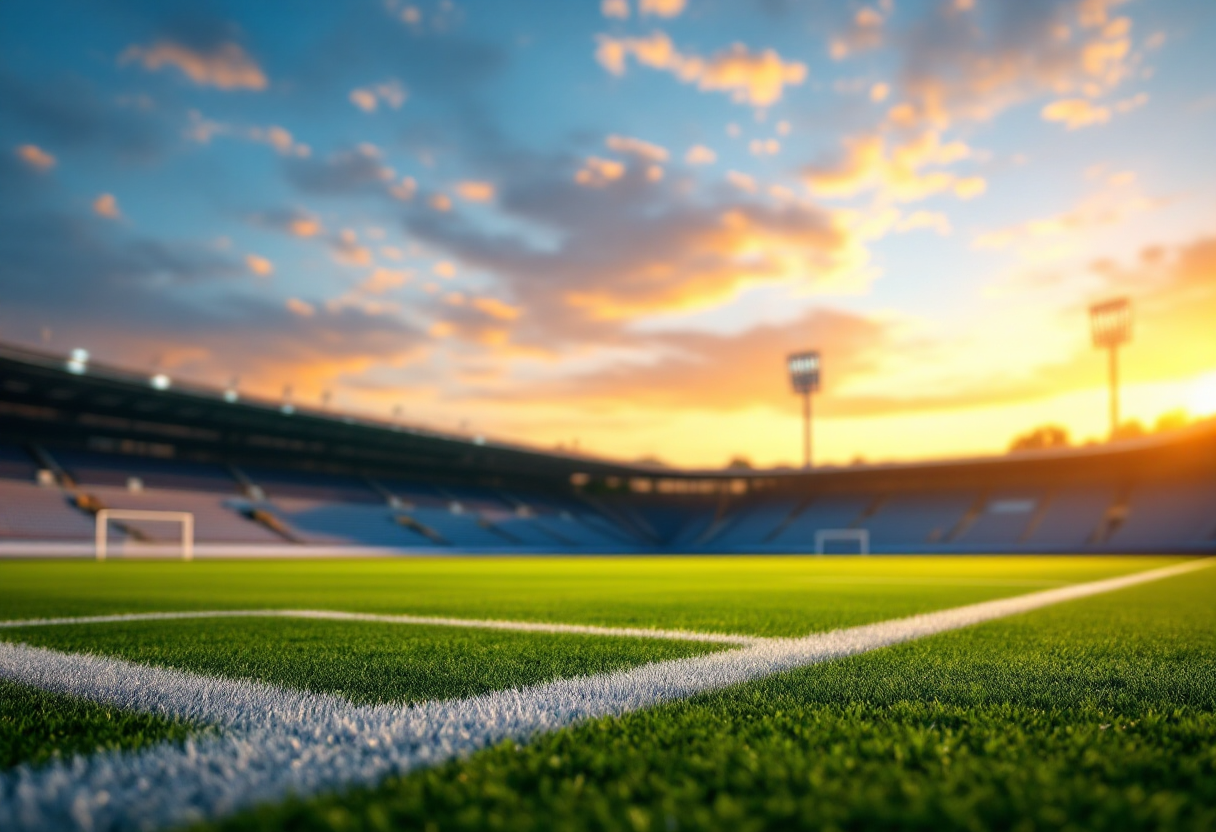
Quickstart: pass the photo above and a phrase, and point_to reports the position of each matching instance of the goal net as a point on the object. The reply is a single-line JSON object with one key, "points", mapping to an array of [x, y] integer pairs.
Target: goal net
{"points": [[854, 538], [105, 515]]}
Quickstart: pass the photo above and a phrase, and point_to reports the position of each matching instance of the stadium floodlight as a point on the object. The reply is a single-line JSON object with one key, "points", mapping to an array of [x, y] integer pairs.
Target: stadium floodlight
{"points": [[78, 361], [804, 370], [160, 381], [230, 392], [1111, 326], [287, 408]]}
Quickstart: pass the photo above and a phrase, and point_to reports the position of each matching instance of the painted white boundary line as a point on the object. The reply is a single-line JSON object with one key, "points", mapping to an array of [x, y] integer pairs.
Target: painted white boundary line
{"points": [[276, 743], [425, 620]]}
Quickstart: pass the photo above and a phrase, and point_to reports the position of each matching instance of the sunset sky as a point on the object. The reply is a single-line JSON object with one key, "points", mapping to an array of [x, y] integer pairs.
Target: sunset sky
{"points": [[560, 221]]}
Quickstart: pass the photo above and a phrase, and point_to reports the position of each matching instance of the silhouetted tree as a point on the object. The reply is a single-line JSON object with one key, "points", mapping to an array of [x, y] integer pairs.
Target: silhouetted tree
{"points": [[1045, 436]]}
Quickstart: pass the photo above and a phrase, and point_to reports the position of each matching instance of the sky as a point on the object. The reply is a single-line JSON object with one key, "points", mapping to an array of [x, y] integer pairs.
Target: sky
{"points": [[602, 226]]}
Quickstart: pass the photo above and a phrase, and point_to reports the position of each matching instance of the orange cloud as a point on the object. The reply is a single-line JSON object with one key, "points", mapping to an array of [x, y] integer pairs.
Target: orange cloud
{"points": [[441, 202], [661, 8], [898, 172], [301, 307], [699, 154], [741, 181], [382, 280], [1076, 113], [863, 32], [597, 172], [496, 308], [259, 265], [445, 268], [391, 93], [226, 66], [967, 72], [35, 157], [106, 206], [203, 130], [348, 251], [304, 226], [636, 147], [475, 191], [756, 78], [618, 9]]}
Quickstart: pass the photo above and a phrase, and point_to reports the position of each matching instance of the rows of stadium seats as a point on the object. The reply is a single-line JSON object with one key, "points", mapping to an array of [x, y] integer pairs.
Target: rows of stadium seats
{"points": [[1156, 517], [49, 496], [253, 505]]}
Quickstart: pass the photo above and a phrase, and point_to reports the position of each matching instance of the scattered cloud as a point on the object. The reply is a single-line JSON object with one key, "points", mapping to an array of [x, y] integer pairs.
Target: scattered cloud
{"points": [[225, 66], [1076, 112], [390, 93], [661, 8], [898, 171], [356, 169], [597, 172], [755, 78], [742, 181], [202, 130], [301, 307], [863, 32], [618, 9], [259, 265], [107, 206], [636, 147], [475, 191], [699, 154], [35, 157]]}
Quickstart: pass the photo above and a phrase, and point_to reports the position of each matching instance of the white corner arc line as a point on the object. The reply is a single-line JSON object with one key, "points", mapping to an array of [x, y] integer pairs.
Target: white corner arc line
{"points": [[418, 620], [279, 743]]}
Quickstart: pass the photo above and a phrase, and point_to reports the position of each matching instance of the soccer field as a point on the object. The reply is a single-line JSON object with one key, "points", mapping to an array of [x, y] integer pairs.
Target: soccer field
{"points": [[610, 693]]}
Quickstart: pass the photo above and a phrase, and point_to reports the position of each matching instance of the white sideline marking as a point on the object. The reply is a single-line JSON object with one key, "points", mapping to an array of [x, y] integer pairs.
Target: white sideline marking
{"points": [[276, 742], [437, 621]]}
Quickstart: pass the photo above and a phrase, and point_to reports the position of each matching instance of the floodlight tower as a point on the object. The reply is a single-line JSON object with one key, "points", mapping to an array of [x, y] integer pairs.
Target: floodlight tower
{"points": [[804, 378], [1111, 325]]}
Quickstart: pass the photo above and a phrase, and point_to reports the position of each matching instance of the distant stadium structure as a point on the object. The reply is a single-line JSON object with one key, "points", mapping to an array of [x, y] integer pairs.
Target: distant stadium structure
{"points": [[78, 438]]}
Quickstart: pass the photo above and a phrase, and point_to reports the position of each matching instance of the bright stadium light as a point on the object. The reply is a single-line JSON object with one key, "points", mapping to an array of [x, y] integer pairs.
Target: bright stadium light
{"points": [[160, 381], [804, 370], [287, 408], [78, 361], [1111, 325], [230, 392]]}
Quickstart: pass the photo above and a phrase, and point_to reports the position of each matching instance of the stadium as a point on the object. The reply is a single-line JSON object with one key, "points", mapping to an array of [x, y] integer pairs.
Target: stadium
{"points": [[367, 371]]}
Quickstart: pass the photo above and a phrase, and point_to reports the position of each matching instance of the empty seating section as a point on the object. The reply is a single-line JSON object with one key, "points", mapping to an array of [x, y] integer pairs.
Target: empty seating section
{"points": [[1003, 522], [752, 526], [91, 468], [311, 485], [1181, 514], [30, 512], [820, 514], [354, 524], [16, 464], [459, 529], [1070, 518], [915, 522], [414, 493], [216, 516], [527, 531], [313, 508]]}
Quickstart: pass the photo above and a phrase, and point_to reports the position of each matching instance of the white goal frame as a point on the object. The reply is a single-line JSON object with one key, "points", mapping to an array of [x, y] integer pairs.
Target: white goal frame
{"points": [[862, 536], [105, 515]]}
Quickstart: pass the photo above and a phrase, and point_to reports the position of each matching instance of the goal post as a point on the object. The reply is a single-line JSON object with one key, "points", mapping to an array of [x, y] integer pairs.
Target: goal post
{"points": [[859, 536], [105, 515]]}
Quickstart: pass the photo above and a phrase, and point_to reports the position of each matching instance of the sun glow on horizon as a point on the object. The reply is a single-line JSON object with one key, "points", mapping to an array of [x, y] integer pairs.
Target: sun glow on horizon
{"points": [[1202, 398]]}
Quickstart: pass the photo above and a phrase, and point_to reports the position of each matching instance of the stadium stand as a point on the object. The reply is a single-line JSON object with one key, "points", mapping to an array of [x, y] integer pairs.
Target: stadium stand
{"points": [[259, 479]]}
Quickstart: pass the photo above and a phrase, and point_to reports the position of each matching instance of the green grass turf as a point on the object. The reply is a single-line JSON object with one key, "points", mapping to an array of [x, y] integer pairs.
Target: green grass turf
{"points": [[1095, 714], [36, 726], [364, 662], [780, 596]]}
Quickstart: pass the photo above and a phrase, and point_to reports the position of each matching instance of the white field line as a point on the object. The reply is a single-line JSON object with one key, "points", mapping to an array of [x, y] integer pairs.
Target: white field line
{"points": [[276, 742], [424, 620]]}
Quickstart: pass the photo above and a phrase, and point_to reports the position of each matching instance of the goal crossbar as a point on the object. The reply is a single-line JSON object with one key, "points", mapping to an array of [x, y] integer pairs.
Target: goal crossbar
{"points": [[860, 536], [105, 515]]}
